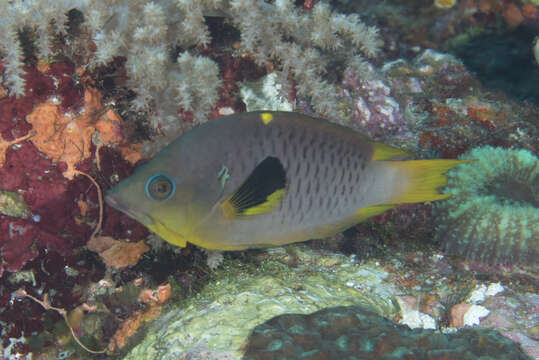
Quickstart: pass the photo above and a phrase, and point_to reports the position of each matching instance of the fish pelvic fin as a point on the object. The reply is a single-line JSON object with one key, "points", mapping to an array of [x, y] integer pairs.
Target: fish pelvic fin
{"points": [[168, 235], [424, 178]]}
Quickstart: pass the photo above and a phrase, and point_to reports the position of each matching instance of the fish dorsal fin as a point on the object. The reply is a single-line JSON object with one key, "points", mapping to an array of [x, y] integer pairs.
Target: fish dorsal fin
{"points": [[260, 193], [386, 152]]}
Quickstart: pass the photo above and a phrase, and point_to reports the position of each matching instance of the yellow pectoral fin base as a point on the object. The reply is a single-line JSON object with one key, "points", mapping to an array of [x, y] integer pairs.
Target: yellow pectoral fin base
{"points": [[168, 235], [423, 178], [260, 193], [271, 202]]}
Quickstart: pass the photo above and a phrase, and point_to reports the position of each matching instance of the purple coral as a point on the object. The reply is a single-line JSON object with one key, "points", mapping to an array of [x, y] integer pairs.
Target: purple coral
{"points": [[373, 111]]}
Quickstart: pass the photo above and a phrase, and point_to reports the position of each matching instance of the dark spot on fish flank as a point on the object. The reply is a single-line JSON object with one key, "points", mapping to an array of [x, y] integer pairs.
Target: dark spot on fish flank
{"points": [[357, 177], [317, 187], [316, 170], [310, 205], [331, 146], [294, 150], [350, 176], [300, 203], [291, 135], [328, 202], [298, 168], [308, 190], [343, 173], [363, 164], [304, 151], [307, 168], [334, 196], [332, 157], [312, 141], [320, 202], [301, 216], [339, 161], [279, 133], [326, 171], [343, 190]]}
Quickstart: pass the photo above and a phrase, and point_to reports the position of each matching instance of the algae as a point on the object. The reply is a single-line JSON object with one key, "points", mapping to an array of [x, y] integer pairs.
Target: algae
{"points": [[12, 204]]}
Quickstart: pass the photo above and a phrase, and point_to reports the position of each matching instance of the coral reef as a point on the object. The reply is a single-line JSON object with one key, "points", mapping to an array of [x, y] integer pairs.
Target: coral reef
{"points": [[493, 216], [373, 111], [447, 111], [241, 296], [71, 69], [117, 253], [358, 332]]}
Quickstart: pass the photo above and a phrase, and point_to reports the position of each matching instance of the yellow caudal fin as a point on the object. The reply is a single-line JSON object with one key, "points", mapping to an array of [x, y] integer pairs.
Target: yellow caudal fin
{"points": [[423, 178]]}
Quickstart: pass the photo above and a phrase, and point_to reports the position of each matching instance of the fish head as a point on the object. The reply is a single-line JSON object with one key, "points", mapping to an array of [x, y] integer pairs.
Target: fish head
{"points": [[161, 197]]}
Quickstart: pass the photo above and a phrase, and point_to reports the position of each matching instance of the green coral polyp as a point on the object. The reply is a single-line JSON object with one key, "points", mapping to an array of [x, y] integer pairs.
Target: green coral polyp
{"points": [[493, 216]]}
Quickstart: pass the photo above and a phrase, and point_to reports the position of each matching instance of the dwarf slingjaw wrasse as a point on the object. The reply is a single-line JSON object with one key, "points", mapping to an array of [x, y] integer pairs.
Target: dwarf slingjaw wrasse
{"points": [[271, 178]]}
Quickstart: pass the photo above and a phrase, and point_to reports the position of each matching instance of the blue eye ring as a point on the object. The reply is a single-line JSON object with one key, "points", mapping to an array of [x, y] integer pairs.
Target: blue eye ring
{"points": [[160, 187]]}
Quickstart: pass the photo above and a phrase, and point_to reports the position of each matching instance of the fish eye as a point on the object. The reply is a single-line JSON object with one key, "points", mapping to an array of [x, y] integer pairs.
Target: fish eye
{"points": [[160, 187]]}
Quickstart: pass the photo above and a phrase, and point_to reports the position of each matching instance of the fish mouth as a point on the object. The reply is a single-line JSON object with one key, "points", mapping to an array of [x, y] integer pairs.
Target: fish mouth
{"points": [[140, 217]]}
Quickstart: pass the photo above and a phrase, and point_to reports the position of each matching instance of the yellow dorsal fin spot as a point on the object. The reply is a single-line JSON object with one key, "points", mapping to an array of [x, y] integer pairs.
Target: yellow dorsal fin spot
{"points": [[423, 177], [266, 118], [386, 152]]}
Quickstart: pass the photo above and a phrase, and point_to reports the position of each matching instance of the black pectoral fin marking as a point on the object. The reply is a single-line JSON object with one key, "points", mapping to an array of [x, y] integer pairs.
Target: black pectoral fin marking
{"points": [[260, 193]]}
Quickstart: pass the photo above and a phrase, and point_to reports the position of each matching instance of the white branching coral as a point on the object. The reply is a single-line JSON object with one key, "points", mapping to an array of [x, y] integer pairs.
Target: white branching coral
{"points": [[317, 37], [298, 45], [194, 70]]}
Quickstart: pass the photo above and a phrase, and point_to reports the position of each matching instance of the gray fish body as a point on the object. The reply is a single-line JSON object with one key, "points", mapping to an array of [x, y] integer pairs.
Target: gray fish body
{"points": [[326, 179], [270, 178], [329, 176]]}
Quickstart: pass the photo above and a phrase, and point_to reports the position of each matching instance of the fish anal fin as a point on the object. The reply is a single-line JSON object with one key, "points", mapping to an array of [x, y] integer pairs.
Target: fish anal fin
{"points": [[370, 211], [260, 193]]}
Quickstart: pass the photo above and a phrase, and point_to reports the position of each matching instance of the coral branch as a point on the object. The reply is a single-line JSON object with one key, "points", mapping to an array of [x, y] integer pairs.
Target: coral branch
{"points": [[100, 200], [45, 303]]}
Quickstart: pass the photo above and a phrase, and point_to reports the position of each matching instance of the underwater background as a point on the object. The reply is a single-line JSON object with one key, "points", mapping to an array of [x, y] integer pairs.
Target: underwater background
{"points": [[92, 89]]}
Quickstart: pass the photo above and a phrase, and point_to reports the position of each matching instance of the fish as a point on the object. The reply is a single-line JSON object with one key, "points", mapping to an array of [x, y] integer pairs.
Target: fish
{"points": [[265, 178]]}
